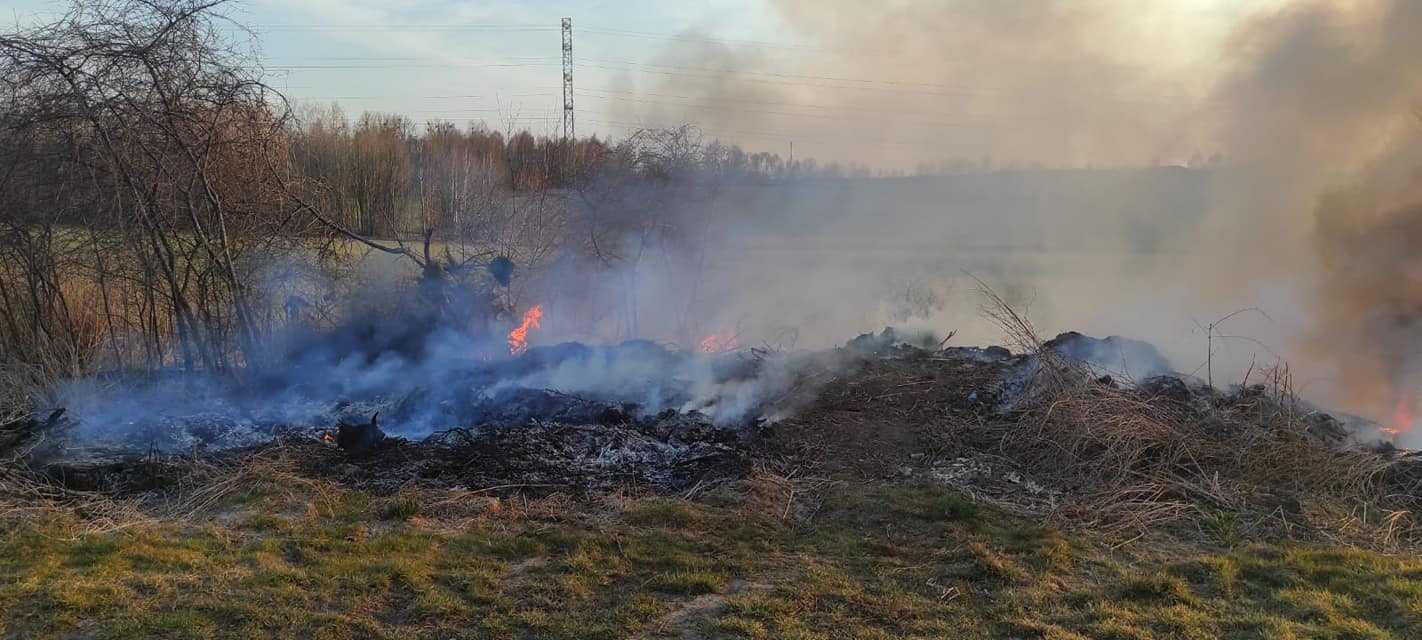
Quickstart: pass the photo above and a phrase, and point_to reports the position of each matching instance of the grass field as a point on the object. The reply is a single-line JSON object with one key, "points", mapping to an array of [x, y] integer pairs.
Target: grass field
{"points": [[869, 559]]}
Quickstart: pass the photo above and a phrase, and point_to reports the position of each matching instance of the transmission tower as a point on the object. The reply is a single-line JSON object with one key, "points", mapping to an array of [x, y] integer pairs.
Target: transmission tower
{"points": [[569, 132]]}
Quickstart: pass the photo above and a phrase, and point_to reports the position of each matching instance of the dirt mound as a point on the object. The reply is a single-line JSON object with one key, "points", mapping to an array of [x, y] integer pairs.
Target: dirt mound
{"points": [[1045, 434]]}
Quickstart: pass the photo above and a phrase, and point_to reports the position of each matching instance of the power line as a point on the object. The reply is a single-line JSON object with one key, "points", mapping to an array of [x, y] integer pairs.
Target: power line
{"points": [[794, 76], [644, 125], [694, 38], [948, 90], [830, 111], [771, 103], [507, 28], [823, 116], [705, 100], [722, 78], [781, 136], [402, 59], [431, 97], [363, 67]]}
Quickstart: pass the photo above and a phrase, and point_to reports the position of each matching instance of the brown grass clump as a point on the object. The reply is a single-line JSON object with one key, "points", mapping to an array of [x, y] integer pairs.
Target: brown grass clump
{"points": [[1228, 465], [161, 489]]}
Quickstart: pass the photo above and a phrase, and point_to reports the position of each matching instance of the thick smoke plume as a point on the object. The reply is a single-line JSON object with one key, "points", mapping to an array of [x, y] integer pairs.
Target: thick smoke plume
{"points": [[1299, 120], [1326, 105], [973, 82]]}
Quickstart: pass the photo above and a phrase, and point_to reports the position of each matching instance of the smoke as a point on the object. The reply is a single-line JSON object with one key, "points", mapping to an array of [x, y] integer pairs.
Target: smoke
{"points": [[1326, 122], [422, 375], [995, 91], [1299, 122], [971, 82]]}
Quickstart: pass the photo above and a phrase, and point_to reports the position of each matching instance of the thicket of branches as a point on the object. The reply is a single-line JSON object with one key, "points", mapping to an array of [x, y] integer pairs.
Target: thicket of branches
{"points": [[139, 182]]}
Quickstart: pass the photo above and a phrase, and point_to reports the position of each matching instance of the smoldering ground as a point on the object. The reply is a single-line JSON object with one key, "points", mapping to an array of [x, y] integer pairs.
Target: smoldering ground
{"points": [[421, 378]]}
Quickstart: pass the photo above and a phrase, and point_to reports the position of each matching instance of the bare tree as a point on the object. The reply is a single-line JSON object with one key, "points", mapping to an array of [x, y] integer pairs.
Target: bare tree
{"points": [[161, 141]]}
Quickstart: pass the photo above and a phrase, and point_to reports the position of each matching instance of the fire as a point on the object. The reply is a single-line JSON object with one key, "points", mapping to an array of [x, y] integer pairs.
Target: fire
{"points": [[518, 338], [1403, 417], [718, 343]]}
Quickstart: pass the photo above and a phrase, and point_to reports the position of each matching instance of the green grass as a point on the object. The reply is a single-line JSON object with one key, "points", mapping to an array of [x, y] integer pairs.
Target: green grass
{"points": [[877, 561], [400, 508]]}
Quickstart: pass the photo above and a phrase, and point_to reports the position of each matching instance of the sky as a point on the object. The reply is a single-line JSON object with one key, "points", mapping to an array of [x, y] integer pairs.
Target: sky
{"points": [[826, 77]]}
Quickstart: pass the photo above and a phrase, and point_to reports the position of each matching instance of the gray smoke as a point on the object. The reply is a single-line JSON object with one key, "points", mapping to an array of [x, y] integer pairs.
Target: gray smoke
{"points": [[1326, 117], [1298, 122], [422, 376]]}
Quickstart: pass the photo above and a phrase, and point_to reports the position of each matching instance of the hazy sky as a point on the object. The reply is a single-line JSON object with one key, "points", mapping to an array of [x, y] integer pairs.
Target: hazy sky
{"points": [[761, 72]]}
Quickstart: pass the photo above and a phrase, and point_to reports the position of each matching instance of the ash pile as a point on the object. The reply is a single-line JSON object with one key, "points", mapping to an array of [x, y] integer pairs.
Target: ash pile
{"points": [[575, 446]]}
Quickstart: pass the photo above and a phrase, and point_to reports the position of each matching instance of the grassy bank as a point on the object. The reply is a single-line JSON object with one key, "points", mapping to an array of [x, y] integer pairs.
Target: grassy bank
{"points": [[750, 560]]}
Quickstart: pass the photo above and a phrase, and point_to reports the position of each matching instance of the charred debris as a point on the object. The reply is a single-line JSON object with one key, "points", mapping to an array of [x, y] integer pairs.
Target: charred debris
{"points": [[483, 425]]}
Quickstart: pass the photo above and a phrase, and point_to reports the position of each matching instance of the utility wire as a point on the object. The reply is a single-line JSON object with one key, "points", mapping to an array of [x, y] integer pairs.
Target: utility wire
{"points": [[782, 136], [822, 116], [363, 67], [825, 82], [624, 33], [702, 101], [793, 76], [497, 28], [432, 97]]}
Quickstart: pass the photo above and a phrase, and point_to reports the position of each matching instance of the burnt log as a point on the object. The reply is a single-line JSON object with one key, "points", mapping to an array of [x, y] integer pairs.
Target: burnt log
{"points": [[1168, 387], [1113, 353], [360, 439], [1325, 428], [14, 434]]}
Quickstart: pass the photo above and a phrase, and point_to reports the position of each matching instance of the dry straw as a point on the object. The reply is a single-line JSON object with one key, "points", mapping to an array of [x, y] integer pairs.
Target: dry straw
{"points": [[1232, 464]]}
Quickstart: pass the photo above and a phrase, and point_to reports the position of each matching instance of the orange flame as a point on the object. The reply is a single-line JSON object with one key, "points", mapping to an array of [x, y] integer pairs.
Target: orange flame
{"points": [[718, 343], [518, 338], [1403, 417]]}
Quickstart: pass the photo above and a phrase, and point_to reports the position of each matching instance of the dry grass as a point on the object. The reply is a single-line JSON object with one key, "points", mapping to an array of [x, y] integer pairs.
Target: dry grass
{"points": [[1234, 465], [70, 335], [183, 490]]}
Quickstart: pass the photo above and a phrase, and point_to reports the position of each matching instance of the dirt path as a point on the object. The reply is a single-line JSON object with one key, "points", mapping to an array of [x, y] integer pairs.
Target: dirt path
{"points": [[683, 621]]}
